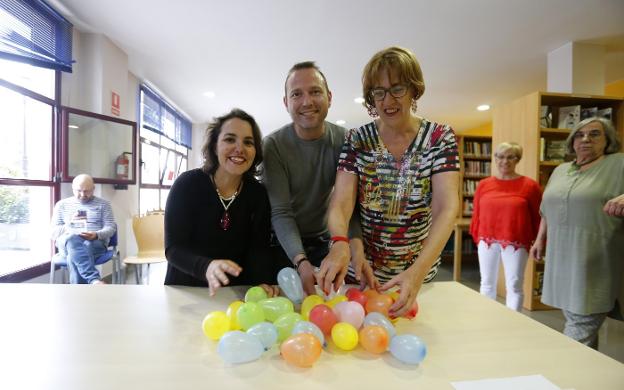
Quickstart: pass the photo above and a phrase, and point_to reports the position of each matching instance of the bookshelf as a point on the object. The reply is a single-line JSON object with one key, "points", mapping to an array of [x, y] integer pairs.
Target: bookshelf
{"points": [[475, 155], [521, 121]]}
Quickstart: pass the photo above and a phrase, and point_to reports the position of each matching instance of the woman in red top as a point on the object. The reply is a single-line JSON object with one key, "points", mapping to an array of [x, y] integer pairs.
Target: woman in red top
{"points": [[504, 224]]}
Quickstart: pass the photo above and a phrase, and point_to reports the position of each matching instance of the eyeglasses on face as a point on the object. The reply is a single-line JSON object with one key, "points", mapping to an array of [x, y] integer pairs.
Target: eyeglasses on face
{"points": [[508, 158], [397, 91], [592, 134]]}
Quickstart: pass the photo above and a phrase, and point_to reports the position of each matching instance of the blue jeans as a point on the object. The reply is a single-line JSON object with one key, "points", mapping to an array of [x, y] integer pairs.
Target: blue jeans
{"points": [[81, 255]]}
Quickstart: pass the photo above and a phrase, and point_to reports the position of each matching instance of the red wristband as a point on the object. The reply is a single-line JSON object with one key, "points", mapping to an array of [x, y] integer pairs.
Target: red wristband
{"points": [[339, 238]]}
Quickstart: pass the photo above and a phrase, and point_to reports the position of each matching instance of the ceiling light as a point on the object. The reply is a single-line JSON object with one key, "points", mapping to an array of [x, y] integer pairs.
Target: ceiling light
{"points": [[72, 126], [359, 100], [341, 122], [209, 94], [483, 107]]}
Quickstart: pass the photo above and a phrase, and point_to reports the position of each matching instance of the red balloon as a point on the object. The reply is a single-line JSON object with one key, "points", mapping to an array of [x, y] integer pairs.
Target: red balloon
{"points": [[380, 303], [355, 295], [323, 317], [413, 311]]}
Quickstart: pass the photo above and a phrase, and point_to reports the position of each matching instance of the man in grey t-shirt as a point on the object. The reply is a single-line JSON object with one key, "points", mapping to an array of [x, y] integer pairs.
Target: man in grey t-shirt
{"points": [[300, 161]]}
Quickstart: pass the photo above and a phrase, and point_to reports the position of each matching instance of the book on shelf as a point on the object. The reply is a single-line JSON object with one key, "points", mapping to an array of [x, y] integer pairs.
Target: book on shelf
{"points": [[467, 207], [477, 149], [569, 116], [588, 112], [545, 117], [538, 283], [542, 148], [555, 150], [605, 113]]}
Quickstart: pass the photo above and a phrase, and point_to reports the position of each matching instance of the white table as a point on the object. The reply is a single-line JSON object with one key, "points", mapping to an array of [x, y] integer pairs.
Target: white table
{"points": [[149, 337]]}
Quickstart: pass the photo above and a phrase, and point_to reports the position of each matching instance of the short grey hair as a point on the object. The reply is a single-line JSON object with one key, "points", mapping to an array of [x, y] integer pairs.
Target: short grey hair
{"points": [[613, 145], [515, 148]]}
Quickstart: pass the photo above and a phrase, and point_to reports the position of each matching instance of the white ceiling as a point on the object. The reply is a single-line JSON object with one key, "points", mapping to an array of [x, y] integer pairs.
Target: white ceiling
{"points": [[471, 51]]}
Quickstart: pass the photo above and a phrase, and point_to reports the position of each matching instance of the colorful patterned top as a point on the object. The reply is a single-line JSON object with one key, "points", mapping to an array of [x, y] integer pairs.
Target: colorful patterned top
{"points": [[395, 196]]}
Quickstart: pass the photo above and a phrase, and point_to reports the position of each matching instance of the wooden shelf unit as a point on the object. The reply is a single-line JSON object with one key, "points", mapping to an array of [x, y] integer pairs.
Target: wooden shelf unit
{"points": [[519, 121], [475, 156]]}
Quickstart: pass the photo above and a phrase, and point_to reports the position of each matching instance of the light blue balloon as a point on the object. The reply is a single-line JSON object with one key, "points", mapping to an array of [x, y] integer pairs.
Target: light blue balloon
{"points": [[239, 347], [309, 327], [375, 318], [290, 283], [265, 332], [408, 348]]}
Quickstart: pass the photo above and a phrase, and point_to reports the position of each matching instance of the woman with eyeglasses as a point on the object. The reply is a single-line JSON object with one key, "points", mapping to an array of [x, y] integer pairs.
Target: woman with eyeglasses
{"points": [[504, 223], [401, 170], [582, 231]]}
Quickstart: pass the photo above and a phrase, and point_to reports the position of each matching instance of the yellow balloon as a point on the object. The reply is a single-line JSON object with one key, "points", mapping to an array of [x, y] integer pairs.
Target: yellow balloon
{"points": [[215, 324], [345, 336], [308, 304], [394, 294], [231, 313], [335, 300]]}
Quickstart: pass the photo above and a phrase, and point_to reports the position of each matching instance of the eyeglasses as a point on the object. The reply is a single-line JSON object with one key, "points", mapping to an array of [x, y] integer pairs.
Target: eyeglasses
{"points": [[508, 158], [592, 135], [397, 91]]}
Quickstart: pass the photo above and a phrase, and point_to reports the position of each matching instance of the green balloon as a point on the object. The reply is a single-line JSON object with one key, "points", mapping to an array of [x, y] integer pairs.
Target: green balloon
{"points": [[275, 307], [249, 314], [285, 324], [255, 294]]}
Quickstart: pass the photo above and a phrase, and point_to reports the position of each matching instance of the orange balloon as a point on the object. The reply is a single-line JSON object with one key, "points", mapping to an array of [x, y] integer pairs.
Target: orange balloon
{"points": [[374, 338], [380, 303], [370, 293], [301, 350]]}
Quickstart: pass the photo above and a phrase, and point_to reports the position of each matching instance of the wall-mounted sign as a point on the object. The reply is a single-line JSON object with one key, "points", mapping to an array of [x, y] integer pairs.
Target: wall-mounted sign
{"points": [[115, 104]]}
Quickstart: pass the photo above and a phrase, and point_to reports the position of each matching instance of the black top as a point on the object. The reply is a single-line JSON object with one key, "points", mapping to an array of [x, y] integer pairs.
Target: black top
{"points": [[194, 237]]}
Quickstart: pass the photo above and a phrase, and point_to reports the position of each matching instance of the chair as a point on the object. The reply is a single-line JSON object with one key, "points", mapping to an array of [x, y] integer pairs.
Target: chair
{"points": [[149, 232], [111, 254]]}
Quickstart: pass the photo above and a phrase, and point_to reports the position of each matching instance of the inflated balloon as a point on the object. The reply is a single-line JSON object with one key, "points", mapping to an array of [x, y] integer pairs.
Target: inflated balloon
{"points": [[265, 332], [380, 303], [413, 311], [285, 324], [231, 313], [375, 318], [249, 314], [255, 294], [351, 312], [239, 347], [308, 303], [290, 283], [370, 293], [408, 348], [323, 317], [355, 295], [394, 295], [336, 300], [215, 324], [374, 338], [301, 350], [275, 307], [311, 328], [345, 336]]}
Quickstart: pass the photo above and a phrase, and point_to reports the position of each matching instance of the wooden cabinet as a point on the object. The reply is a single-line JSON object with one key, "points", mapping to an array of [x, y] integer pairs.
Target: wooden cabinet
{"points": [[519, 121]]}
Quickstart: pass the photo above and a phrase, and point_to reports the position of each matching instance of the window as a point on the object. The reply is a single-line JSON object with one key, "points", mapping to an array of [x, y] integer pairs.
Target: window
{"points": [[26, 169], [165, 141]]}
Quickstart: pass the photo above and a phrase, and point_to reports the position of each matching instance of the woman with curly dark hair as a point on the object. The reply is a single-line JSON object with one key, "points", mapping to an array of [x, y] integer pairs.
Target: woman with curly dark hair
{"points": [[217, 218]]}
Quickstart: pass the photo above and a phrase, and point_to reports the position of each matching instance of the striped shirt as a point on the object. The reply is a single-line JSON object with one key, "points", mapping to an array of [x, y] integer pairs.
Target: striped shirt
{"points": [[395, 196], [99, 215]]}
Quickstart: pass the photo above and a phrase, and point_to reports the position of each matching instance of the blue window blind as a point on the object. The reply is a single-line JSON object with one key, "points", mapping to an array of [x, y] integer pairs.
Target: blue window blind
{"points": [[32, 32], [161, 118]]}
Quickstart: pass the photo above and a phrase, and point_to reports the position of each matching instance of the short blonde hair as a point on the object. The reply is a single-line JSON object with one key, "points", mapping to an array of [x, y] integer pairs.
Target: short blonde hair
{"points": [[515, 148], [396, 59]]}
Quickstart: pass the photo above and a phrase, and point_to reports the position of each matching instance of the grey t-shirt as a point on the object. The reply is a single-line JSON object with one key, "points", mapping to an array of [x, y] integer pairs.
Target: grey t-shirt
{"points": [[299, 177]]}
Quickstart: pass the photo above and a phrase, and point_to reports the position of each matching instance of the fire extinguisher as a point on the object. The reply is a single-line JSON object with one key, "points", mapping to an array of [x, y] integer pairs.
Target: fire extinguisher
{"points": [[122, 166]]}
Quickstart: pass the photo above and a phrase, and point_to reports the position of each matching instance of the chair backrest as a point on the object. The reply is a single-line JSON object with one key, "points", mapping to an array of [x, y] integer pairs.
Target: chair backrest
{"points": [[149, 231]]}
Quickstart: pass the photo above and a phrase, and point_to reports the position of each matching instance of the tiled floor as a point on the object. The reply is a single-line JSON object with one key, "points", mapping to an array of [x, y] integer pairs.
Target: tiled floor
{"points": [[611, 333], [611, 336]]}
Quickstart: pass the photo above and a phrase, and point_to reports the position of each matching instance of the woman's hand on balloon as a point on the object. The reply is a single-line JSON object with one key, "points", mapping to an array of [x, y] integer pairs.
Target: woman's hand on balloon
{"points": [[361, 266], [333, 268], [409, 283], [271, 290], [217, 272]]}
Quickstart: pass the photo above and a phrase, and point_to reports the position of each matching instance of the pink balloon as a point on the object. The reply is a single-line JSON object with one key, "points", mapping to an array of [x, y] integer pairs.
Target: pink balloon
{"points": [[351, 312]]}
